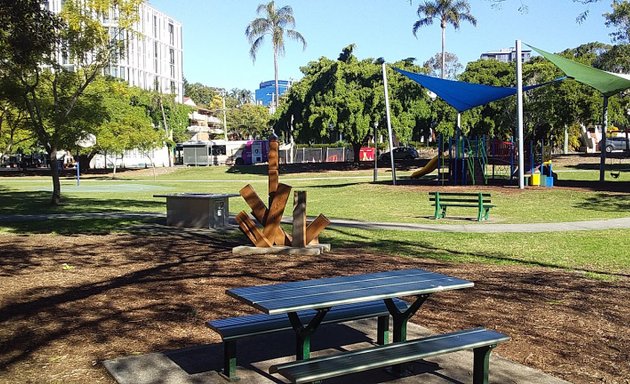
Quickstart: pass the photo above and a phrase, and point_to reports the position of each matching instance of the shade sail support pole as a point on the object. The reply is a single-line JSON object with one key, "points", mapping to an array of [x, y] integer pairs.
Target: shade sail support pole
{"points": [[389, 126], [602, 143], [519, 113]]}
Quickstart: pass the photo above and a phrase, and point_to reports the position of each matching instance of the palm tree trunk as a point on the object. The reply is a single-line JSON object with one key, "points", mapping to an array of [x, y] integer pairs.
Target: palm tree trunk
{"points": [[443, 50], [275, 69]]}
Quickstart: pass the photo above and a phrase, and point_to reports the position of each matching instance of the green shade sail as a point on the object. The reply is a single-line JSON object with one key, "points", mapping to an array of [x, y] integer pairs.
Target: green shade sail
{"points": [[607, 83]]}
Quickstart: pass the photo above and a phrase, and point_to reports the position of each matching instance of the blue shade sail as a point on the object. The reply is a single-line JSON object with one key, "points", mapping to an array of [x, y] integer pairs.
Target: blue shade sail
{"points": [[461, 95]]}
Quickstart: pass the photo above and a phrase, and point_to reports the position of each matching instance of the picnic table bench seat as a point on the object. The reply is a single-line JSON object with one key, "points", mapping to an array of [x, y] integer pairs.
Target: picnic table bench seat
{"points": [[235, 328], [480, 340], [479, 200]]}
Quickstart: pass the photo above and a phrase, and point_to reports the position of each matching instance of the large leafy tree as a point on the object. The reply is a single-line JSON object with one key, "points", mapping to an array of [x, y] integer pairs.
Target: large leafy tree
{"points": [[619, 18], [345, 97], [451, 69], [275, 23], [14, 133], [249, 121], [199, 93], [451, 12], [54, 95]]}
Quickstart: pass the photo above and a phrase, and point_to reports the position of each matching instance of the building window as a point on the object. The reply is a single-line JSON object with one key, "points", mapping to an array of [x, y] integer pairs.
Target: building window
{"points": [[155, 26], [172, 61], [171, 33], [155, 57]]}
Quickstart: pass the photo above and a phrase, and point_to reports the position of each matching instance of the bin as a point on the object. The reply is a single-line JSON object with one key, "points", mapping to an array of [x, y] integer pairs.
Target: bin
{"points": [[535, 179], [548, 181]]}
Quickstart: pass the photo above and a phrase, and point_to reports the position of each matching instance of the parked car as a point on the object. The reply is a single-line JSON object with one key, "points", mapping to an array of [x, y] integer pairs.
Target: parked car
{"points": [[400, 153], [617, 143]]}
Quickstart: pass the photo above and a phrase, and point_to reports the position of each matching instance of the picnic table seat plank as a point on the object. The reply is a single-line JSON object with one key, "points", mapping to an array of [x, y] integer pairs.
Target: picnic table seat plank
{"points": [[261, 323], [235, 328], [480, 340]]}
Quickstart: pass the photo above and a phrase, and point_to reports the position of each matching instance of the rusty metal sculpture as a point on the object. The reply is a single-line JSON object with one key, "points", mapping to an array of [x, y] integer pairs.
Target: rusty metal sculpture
{"points": [[272, 234]]}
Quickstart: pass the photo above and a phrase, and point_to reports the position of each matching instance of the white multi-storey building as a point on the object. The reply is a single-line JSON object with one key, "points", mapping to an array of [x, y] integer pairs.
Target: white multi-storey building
{"points": [[153, 58]]}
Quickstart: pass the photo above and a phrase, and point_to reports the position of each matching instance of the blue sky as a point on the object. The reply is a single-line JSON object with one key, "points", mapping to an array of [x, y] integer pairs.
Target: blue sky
{"points": [[216, 52]]}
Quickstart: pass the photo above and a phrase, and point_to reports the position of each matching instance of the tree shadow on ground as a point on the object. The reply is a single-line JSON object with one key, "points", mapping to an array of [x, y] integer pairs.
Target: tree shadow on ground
{"points": [[38, 202], [606, 203], [99, 298]]}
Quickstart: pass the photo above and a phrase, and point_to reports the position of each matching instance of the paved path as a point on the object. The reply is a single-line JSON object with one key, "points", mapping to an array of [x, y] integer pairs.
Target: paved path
{"points": [[491, 227], [485, 227], [200, 364]]}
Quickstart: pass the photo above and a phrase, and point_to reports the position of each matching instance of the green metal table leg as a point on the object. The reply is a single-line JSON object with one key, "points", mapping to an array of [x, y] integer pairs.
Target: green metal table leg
{"points": [[400, 325], [229, 361], [481, 365], [382, 330], [303, 333], [401, 318]]}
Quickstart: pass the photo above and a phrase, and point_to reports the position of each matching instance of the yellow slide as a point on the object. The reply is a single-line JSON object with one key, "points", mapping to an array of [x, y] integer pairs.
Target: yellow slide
{"points": [[430, 167]]}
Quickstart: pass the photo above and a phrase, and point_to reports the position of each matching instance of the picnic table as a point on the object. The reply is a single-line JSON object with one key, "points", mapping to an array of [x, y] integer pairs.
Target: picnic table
{"points": [[323, 294]]}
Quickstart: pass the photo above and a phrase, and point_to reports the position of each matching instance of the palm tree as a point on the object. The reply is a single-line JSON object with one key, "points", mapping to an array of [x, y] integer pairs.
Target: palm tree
{"points": [[273, 22], [449, 12]]}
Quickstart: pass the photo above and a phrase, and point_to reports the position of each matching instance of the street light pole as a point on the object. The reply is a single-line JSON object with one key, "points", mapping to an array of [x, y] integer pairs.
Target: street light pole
{"points": [[375, 153]]}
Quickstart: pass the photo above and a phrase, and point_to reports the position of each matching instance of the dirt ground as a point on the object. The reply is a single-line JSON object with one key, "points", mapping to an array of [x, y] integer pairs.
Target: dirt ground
{"points": [[68, 303]]}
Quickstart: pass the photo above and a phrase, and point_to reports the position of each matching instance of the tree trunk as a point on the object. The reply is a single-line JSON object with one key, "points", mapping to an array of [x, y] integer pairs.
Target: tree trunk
{"points": [[114, 171], [356, 149], [84, 161], [275, 70], [443, 49], [168, 132], [55, 171]]}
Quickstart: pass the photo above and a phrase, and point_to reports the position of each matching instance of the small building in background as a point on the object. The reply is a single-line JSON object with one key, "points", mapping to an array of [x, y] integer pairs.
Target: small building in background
{"points": [[506, 55]]}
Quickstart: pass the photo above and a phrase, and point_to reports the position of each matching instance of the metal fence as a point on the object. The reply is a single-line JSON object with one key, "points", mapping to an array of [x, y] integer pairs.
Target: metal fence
{"points": [[316, 155]]}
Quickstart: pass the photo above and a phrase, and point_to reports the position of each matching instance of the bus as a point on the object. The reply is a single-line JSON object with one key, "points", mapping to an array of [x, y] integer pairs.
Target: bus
{"points": [[221, 152]]}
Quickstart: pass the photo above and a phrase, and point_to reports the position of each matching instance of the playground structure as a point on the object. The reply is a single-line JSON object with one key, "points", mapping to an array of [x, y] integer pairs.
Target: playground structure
{"points": [[475, 161], [273, 238]]}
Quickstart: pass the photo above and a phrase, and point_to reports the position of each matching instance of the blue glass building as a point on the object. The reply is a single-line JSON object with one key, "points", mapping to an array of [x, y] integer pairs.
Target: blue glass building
{"points": [[266, 90]]}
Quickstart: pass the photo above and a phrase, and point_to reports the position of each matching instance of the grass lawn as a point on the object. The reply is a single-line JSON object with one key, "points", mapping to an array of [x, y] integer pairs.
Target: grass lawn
{"points": [[353, 195]]}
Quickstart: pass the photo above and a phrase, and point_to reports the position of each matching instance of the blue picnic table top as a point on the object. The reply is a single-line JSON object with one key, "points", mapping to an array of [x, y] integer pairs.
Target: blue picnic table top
{"points": [[330, 292]]}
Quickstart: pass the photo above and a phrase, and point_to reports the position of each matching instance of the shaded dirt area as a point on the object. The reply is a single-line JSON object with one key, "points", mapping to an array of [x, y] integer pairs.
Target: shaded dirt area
{"points": [[67, 303]]}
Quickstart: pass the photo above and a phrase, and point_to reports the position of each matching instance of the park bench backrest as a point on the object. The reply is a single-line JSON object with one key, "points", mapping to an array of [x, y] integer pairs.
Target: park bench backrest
{"points": [[473, 198]]}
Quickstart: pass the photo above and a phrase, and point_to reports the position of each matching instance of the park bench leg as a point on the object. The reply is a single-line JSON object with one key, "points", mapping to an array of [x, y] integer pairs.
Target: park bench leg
{"points": [[481, 364], [303, 333], [382, 330], [229, 361]]}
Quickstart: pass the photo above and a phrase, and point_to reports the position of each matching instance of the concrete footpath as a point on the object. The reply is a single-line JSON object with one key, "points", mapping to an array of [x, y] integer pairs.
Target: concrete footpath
{"points": [[255, 355], [474, 227]]}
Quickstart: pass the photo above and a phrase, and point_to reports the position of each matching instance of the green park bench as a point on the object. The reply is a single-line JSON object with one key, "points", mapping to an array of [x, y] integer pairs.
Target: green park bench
{"points": [[443, 200]]}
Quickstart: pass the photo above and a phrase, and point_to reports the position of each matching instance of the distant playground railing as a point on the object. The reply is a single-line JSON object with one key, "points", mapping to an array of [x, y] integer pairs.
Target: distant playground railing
{"points": [[323, 155]]}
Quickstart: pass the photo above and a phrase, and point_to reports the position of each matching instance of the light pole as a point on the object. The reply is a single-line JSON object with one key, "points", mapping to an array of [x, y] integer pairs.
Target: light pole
{"points": [[375, 152]]}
